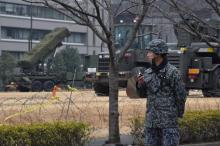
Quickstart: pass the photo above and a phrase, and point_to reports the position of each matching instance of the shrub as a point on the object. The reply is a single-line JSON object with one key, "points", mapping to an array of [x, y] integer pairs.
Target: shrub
{"points": [[137, 130], [46, 134], [200, 126], [194, 127]]}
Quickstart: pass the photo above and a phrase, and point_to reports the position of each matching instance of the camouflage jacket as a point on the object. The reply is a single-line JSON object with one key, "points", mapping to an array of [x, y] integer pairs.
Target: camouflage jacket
{"points": [[166, 97]]}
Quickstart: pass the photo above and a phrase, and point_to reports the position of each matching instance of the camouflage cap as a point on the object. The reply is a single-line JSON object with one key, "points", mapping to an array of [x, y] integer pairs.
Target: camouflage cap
{"points": [[158, 46]]}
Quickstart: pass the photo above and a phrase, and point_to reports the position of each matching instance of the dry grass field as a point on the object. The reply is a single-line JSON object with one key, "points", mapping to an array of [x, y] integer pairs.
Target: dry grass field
{"points": [[31, 107]]}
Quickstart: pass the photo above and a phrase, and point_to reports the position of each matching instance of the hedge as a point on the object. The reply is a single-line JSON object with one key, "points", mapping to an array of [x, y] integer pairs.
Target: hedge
{"points": [[45, 134], [195, 127]]}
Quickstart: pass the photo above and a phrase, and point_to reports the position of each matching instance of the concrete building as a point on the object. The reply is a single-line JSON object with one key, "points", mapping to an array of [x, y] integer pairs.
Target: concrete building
{"points": [[163, 27], [18, 19]]}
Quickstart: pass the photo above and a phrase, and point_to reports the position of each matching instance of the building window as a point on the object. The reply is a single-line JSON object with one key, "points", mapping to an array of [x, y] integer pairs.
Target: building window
{"points": [[17, 55], [77, 37], [23, 34], [123, 32], [27, 10]]}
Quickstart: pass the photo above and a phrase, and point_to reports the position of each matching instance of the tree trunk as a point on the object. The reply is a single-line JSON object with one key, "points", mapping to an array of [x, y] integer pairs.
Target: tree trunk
{"points": [[114, 134], [114, 137]]}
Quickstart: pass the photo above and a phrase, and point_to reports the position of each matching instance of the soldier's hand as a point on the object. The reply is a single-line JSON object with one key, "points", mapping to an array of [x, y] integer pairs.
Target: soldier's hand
{"points": [[140, 79]]}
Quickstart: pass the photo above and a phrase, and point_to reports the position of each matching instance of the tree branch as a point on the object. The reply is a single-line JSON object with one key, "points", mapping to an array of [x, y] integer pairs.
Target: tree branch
{"points": [[193, 30], [102, 5], [82, 15], [126, 10], [116, 11], [99, 19], [215, 5], [140, 17], [82, 12]]}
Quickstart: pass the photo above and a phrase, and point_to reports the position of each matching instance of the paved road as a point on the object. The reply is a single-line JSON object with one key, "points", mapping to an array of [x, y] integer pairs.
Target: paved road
{"points": [[204, 144], [127, 140]]}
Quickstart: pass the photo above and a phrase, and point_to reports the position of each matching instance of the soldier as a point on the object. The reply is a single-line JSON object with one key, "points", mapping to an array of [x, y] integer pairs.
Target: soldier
{"points": [[166, 96]]}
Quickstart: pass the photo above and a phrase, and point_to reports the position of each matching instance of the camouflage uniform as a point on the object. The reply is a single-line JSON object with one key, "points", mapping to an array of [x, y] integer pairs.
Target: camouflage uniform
{"points": [[166, 97]]}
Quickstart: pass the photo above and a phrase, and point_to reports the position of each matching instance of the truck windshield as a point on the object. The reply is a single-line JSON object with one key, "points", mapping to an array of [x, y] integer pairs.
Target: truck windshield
{"points": [[143, 36]]}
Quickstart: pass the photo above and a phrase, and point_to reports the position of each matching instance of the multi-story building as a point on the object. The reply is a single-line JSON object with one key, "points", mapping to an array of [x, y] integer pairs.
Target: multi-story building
{"points": [[22, 25], [163, 27]]}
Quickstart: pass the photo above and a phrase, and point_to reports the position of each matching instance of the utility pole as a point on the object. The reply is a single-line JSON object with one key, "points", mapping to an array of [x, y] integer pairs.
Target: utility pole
{"points": [[31, 27]]}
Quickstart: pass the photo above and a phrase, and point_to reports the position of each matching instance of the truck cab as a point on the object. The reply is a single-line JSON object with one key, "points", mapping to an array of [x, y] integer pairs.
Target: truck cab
{"points": [[200, 60], [134, 58]]}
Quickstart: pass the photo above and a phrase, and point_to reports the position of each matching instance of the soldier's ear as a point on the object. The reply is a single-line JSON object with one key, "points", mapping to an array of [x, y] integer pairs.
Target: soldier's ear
{"points": [[163, 55]]}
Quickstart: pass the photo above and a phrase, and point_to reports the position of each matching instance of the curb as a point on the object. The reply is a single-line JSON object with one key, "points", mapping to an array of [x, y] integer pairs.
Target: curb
{"points": [[127, 140], [217, 143]]}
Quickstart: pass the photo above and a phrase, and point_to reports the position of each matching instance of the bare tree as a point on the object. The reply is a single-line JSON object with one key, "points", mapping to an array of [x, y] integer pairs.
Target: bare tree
{"points": [[84, 12], [194, 15]]}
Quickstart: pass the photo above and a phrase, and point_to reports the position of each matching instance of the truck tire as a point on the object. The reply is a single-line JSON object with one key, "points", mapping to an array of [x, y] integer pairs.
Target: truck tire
{"points": [[48, 85], [101, 90], [211, 93], [36, 86], [23, 88], [206, 93]]}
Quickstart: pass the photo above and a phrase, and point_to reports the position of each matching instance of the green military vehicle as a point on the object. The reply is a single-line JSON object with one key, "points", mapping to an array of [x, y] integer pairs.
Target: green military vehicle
{"points": [[35, 74], [87, 71]]}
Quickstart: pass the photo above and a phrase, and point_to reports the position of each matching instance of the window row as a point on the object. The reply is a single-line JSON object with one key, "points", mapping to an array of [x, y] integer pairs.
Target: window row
{"points": [[123, 33], [24, 34], [27, 10]]}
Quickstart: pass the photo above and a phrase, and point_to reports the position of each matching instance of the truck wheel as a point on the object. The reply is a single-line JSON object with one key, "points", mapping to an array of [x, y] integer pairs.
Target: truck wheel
{"points": [[48, 85], [207, 93], [23, 88], [218, 82], [101, 90], [36, 86], [211, 93]]}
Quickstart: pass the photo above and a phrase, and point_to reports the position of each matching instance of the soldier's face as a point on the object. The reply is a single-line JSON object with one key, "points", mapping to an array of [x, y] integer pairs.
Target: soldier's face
{"points": [[150, 56]]}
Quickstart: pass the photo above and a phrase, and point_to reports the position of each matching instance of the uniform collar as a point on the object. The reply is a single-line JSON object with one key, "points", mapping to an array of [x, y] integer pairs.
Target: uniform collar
{"points": [[149, 70], [159, 68]]}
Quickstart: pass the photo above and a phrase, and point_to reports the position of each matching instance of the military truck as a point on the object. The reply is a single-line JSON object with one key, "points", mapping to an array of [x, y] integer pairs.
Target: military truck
{"points": [[35, 75], [88, 70], [200, 62], [133, 60]]}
